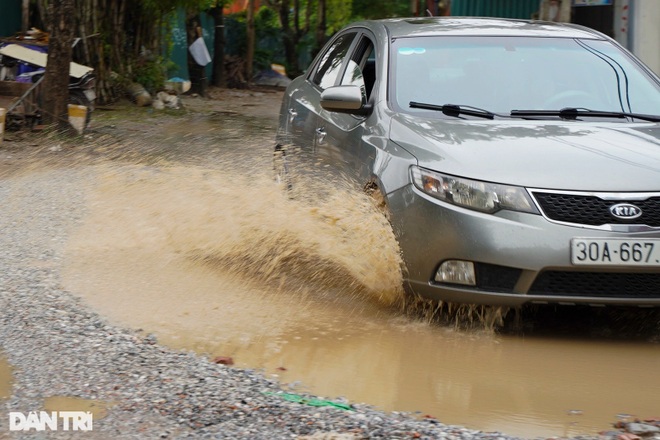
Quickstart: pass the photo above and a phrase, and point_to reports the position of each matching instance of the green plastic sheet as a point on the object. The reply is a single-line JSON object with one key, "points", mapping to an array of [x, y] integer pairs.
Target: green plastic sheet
{"points": [[292, 397]]}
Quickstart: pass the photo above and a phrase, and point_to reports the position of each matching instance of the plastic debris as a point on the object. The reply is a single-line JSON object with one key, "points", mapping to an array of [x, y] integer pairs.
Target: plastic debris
{"points": [[311, 401]]}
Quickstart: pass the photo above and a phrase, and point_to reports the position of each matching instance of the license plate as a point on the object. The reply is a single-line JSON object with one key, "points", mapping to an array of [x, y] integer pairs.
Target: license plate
{"points": [[615, 252]]}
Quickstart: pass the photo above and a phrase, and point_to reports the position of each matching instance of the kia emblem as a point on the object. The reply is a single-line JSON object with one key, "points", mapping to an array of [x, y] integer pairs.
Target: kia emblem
{"points": [[625, 211]]}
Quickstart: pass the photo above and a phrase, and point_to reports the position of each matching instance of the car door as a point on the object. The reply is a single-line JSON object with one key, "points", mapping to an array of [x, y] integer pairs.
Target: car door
{"points": [[339, 135], [304, 101]]}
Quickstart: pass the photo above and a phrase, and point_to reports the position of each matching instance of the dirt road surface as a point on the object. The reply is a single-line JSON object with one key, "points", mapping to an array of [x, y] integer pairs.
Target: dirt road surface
{"points": [[140, 258]]}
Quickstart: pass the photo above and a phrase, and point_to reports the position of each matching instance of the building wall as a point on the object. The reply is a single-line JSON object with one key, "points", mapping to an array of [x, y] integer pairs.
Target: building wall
{"points": [[645, 32], [10, 17], [495, 8], [179, 49]]}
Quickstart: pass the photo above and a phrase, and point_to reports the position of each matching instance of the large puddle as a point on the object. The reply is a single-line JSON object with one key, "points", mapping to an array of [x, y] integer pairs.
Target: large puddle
{"points": [[223, 264], [5, 378], [55, 403], [98, 408]]}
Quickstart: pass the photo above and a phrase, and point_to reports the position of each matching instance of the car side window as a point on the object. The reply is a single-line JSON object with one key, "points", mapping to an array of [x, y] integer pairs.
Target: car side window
{"points": [[369, 70], [353, 76], [331, 62], [361, 69]]}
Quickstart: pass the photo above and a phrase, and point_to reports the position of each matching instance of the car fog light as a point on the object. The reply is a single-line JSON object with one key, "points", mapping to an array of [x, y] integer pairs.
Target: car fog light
{"points": [[456, 272]]}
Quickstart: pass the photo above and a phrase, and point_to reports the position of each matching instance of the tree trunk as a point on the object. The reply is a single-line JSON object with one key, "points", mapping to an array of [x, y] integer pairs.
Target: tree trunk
{"points": [[56, 78], [249, 59], [219, 78], [197, 73], [26, 16], [42, 8], [292, 56], [290, 37], [414, 7], [320, 26], [308, 16]]}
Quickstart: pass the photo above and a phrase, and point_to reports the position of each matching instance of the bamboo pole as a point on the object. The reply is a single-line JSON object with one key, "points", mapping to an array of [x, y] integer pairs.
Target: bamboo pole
{"points": [[250, 41], [26, 16]]}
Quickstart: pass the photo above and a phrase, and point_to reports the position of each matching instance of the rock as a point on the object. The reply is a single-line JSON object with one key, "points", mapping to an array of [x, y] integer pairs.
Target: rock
{"points": [[642, 428], [139, 95], [223, 360], [169, 100]]}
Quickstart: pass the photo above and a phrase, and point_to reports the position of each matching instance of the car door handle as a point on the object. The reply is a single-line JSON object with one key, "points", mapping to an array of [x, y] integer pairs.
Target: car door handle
{"points": [[292, 115], [320, 135]]}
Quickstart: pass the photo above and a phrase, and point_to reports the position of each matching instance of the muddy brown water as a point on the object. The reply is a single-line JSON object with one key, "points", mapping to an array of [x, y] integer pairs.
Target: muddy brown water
{"points": [[218, 261], [54, 403], [98, 408], [5, 378], [199, 248]]}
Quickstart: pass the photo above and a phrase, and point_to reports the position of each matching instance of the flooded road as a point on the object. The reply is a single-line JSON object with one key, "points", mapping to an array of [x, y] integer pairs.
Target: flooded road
{"points": [[205, 263], [216, 260], [5, 378], [54, 403]]}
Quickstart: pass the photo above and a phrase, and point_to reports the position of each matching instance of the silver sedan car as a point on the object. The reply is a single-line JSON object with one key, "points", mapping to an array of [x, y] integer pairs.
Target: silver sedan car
{"points": [[519, 161]]}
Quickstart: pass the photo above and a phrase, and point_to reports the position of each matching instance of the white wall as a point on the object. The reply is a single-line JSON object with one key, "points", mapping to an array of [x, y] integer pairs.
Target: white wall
{"points": [[645, 28]]}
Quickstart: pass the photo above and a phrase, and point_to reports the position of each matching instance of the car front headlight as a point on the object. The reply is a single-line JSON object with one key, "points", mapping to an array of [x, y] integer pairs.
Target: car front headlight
{"points": [[473, 194]]}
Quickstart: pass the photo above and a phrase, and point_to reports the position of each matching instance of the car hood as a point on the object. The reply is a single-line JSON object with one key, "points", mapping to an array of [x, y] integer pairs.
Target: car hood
{"points": [[567, 155]]}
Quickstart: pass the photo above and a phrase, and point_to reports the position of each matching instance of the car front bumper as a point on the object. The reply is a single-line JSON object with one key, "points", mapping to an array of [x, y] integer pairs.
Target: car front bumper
{"points": [[519, 258]]}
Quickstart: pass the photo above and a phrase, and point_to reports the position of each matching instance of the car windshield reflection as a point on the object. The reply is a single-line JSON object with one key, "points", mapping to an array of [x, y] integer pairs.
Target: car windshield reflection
{"points": [[507, 73]]}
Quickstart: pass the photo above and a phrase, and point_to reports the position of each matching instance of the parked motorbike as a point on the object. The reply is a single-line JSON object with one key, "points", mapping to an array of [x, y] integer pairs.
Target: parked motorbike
{"points": [[27, 65], [82, 91]]}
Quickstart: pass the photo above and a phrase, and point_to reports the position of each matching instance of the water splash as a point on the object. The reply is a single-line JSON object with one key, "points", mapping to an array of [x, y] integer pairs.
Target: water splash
{"points": [[246, 224]]}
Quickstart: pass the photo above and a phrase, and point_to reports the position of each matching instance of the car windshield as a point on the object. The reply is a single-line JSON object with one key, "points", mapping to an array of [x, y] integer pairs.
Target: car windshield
{"points": [[501, 74]]}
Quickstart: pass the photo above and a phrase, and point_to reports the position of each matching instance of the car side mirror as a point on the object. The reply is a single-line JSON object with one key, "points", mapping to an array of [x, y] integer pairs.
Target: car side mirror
{"points": [[344, 99]]}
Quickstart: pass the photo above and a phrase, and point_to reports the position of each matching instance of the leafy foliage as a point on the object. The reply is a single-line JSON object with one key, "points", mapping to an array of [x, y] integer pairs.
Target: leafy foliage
{"points": [[151, 73], [369, 9], [339, 14], [129, 39]]}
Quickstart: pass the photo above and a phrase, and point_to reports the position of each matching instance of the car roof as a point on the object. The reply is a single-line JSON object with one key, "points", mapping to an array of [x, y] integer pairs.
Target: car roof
{"points": [[463, 26]]}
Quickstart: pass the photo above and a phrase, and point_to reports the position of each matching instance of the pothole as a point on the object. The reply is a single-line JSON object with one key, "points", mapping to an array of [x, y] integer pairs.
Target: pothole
{"points": [[6, 378]]}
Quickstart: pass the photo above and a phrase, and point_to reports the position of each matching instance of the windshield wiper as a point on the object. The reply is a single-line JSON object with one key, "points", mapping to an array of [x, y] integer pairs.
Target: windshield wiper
{"points": [[572, 113], [455, 110]]}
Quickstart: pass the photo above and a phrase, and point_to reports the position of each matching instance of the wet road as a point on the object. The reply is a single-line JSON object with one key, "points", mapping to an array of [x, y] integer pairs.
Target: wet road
{"points": [[195, 245], [334, 346], [5, 378]]}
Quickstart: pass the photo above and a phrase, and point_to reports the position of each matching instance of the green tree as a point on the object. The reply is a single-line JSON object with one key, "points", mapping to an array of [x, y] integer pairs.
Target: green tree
{"points": [[218, 77], [368, 9], [56, 78], [121, 39], [250, 40]]}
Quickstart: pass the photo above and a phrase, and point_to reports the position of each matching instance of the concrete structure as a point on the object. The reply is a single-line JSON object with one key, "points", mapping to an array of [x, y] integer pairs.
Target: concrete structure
{"points": [[644, 31], [633, 23]]}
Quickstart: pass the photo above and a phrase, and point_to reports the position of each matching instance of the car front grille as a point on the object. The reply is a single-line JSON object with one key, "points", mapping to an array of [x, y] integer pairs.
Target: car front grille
{"points": [[591, 210], [597, 284]]}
